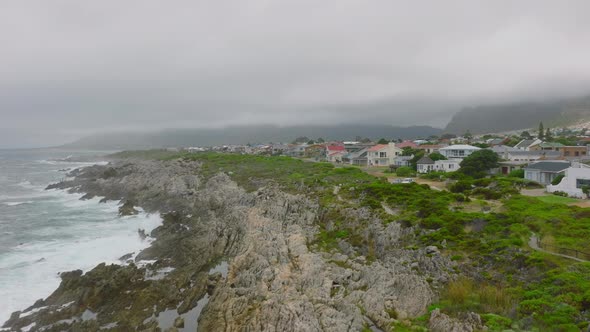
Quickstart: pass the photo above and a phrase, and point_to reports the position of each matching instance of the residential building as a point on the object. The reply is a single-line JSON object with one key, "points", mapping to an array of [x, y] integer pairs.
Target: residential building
{"points": [[545, 171], [382, 154], [402, 161], [525, 144], [450, 165], [430, 148], [574, 151], [425, 165], [358, 158], [458, 151], [332, 148], [522, 155], [505, 167], [407, 144], [546, 146], [336, 157], [576, 177]]}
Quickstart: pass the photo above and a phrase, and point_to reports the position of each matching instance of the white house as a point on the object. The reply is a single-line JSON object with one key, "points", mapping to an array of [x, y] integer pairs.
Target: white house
{"points": [[526, 144], [425, 165], [383, 154], [450, 165], [545, 171], [458, 151], [576, 176]]}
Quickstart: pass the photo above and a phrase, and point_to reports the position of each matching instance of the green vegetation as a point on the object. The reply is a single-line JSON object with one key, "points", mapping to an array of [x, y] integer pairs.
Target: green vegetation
{"points": [[554, 199], [557, 179], [478, 163], [517, 173], [405, 171], [514, 286]]}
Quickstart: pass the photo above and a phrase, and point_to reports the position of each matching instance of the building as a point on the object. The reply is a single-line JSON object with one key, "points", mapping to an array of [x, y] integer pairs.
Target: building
{"points": [[382, 154], [458, 151], [336, 157], [407, 144], [546, 146], [574, 151], [402, 161], [545, 171], [430, 148], [331, 149], [576, 177], [450, 165], [525, 144], [522, 155], [425, 165], [357, 158]]}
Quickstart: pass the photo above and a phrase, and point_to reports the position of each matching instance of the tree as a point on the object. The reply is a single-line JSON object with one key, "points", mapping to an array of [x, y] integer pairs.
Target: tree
{"points": [[481, 145], [437, 156], [383, 141], [468, 135], [405, 171], [479, 163], [310, 142], [548, 135], [301, 139], [525, 135], [586, 190], [366, 140], [541, 131], [320, 140], [448, 136]]}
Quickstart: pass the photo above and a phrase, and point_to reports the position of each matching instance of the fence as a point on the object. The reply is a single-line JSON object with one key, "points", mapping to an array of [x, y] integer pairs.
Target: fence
{"points": [[563, 251]]}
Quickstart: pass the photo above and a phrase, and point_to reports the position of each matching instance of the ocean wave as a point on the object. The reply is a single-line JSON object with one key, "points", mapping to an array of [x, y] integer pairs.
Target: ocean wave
{"points": [[17, 203], [30, 270]]}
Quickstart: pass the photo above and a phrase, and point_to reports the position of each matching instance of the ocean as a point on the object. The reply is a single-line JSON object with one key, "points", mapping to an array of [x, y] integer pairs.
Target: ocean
{"points": [[45, 232]]}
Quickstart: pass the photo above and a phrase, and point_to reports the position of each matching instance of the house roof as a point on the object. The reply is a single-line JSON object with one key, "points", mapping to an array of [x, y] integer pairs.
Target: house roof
{"points": [[460, 147], [430, 146], [425, 160], [335, 148], [377, 147], [406, 144], [337, 152], [503, 148], [550, 145], [524, 143], [535, 153], [550, 166]]}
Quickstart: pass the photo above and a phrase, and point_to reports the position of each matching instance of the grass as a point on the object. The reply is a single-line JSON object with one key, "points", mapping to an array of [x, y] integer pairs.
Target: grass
{"points": [[554, 199]]}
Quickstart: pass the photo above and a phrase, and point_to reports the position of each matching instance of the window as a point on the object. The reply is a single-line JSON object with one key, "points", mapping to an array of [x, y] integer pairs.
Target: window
{"points": [[382, 154], [582, 182]]}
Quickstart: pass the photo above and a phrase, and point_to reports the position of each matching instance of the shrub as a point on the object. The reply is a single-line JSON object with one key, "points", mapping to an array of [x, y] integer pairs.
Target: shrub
{"points": [[560, 193], [405, 171], [460, 186], [557, 179], [517, 173]]}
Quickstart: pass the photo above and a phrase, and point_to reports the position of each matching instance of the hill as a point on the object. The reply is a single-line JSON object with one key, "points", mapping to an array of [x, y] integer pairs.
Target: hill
{"points": [[244, 135], [506, 117]]}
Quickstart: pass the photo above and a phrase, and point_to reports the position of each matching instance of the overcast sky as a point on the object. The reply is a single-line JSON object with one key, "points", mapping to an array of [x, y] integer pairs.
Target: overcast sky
{"points": [[71, 68]]}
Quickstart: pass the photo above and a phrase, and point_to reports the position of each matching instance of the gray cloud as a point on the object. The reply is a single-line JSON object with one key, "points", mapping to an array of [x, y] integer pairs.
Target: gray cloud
{"points": [[70, 68]]}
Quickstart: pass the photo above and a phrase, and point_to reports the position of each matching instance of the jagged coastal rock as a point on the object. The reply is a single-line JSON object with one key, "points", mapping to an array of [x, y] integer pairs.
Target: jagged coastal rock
{"points": [[230, 260]]}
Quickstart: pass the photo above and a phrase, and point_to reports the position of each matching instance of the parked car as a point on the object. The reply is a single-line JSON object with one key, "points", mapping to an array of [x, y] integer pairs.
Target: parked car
{"points": [[407, 180]]}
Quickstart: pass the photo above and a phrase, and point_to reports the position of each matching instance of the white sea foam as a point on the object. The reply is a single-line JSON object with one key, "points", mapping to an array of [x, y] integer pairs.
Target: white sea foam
{"points": [[17, 203], [92, 235]]}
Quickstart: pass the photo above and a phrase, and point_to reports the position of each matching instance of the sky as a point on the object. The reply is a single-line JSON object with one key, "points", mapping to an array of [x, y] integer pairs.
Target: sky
{"points": [[71, 68]]}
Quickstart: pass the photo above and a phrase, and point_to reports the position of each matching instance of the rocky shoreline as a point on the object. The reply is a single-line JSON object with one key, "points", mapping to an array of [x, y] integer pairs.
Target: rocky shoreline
{"points": [[230, 260]]}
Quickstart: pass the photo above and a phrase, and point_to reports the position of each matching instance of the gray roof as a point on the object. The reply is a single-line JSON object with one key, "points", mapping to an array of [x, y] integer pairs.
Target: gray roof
{"points": [[546, 153], [425, 160], [550, 166], [524, 143]]}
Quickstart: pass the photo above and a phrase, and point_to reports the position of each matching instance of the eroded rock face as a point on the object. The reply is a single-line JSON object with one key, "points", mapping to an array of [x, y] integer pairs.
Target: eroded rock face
{"points": [[440, 322], [276, 280]]}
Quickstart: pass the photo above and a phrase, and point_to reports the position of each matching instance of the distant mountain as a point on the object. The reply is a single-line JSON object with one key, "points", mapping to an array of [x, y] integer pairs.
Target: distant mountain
{"points": [[246, 134], [499, 118]]}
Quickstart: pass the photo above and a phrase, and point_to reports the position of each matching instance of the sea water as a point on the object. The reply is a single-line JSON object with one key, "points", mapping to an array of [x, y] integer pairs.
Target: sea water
{"points": [[45, 232]]}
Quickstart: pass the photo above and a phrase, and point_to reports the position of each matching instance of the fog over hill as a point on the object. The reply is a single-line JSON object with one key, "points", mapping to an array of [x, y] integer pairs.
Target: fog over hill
{"points": [[514, 116]]}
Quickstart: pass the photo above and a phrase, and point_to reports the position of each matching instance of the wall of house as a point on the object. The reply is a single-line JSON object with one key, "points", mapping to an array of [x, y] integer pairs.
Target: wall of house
{"points": [[569, 184], [447, 165]]}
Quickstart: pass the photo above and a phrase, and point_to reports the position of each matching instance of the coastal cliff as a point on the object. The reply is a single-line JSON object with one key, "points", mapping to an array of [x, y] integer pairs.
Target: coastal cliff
{"points": [[237, 255]]}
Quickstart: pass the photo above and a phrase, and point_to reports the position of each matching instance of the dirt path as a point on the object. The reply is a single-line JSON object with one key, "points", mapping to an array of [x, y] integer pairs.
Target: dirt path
{"points": [[534, 244]]}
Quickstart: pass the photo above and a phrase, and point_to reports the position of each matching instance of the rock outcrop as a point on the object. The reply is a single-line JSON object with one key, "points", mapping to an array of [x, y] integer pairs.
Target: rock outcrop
{"points": [[276, 279]]}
